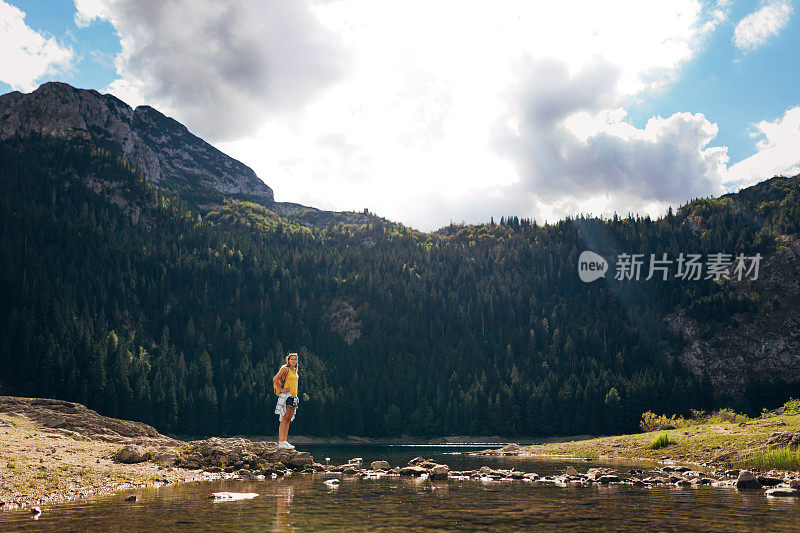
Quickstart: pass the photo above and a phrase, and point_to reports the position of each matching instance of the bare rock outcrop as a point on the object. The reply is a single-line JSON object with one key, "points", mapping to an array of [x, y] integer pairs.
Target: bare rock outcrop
{"points": [[755, 348], [784, 439], [77, 419], [236, 453], [162, 148], [343, 320]]}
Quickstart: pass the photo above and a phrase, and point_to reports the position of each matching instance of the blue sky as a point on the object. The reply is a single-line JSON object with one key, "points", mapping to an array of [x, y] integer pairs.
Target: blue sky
{"points": [[431, 112], [733, 88], [95, 46]]}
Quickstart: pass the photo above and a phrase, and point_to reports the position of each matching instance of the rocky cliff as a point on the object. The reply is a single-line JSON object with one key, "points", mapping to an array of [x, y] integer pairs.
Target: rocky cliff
{"points": [[756, 346], [162, 148]]}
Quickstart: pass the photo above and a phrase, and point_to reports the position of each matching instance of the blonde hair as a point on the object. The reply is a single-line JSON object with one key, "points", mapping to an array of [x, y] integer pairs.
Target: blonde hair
{"points": [[286, 364]]}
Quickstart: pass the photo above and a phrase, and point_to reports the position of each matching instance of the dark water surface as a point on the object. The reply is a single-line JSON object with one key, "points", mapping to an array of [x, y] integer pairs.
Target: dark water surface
{"points": [[305, 503]]}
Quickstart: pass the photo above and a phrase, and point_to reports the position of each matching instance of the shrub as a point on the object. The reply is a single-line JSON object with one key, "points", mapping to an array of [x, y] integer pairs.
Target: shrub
{"points": [[662, 441], [792, 407], [728, 415], [653, 422], [698, 414]]}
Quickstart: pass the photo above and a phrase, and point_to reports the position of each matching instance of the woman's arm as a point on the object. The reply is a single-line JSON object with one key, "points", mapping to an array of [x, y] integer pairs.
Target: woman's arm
{"points": [[278, 379]]}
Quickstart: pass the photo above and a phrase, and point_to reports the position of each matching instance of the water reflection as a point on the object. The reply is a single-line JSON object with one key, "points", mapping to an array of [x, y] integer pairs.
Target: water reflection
{"points": [[306, 503], [284, 500]]}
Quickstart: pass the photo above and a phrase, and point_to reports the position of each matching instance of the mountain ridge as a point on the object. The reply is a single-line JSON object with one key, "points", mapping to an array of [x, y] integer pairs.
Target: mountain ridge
{"points": [[161, 147]]}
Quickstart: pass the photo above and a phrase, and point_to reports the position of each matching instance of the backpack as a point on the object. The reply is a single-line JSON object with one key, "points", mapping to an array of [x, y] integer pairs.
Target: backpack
{"points": [[277, 390]]}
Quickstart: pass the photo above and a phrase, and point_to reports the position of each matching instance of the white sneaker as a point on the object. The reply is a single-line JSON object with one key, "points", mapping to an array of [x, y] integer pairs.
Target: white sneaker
{"points": [[285, 445]]}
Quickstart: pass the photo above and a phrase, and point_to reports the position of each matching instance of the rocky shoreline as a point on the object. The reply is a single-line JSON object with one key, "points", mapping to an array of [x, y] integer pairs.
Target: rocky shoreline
{"points": [[52, 451], [774, 483]]}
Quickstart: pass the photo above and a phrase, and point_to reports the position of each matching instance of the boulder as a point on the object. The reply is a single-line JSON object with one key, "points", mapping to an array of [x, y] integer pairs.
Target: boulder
{"points": [[608, 478], [439, 472], [572, 472], [297, 459], [747, 480], [132, 454], [416, 460], [379, 465], [767, 481], [165, 457], [413, 471], [594, 474]]}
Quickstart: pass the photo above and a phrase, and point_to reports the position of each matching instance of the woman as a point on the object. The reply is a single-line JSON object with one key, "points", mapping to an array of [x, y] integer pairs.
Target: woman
{"points": [[285, 384]]}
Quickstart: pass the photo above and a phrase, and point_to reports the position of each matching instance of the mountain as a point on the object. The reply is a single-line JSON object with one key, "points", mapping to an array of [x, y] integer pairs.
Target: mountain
{"points": [[162, 148], [754, 349], [142, 300]]}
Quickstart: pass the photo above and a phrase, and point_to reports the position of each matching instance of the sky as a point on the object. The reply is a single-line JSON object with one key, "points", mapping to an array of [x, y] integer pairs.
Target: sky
{"points": [[432, 112]]}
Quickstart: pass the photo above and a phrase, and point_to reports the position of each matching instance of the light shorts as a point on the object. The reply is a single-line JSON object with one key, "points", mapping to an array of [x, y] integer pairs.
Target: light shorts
{"points": [[280, 407]]}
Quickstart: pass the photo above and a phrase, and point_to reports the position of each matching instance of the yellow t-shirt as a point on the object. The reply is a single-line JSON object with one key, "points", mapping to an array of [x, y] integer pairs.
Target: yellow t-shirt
{"points": [[291, 382]]}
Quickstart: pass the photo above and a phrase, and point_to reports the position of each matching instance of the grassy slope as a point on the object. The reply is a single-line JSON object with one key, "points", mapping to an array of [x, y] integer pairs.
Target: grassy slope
{"points": [[714, 442]]}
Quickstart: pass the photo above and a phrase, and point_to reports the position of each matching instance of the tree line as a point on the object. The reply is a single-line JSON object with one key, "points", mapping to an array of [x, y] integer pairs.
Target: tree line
{"points": [[141, 306]]}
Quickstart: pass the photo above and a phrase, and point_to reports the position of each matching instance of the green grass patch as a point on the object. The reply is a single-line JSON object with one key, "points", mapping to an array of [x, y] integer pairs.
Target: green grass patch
{"points": [[14, 466], [585, 453], [662, 441], [779, 458]]}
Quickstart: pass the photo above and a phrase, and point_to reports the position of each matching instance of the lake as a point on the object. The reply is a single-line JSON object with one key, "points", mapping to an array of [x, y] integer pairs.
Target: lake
{"points": [[305, 503]]}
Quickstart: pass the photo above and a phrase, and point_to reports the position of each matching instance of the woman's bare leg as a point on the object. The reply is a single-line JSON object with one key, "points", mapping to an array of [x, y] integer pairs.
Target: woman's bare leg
{"points": [[283, 429]]}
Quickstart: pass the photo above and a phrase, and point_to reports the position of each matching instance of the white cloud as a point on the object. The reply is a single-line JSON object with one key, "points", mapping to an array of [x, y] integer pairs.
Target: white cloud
{"points": [[86, 11], [778, 152], [421, 124], [415, 122], [220, 67], [27, 54], [756, 28], [574, 154]]}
